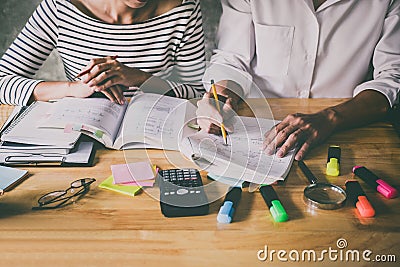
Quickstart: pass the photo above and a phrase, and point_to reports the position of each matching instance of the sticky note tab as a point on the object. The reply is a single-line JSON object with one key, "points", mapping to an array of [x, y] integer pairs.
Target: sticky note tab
{"points": [[77, 127], [132, 172], [98, 133], [68, 128]]}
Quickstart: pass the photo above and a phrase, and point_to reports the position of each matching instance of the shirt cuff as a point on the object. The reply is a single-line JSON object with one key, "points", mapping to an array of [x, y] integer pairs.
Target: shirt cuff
{"points": [[392, 93]]}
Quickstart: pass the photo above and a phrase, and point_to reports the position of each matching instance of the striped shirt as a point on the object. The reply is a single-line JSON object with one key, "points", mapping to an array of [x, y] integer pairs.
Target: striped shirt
{"points": [[170, 46]]}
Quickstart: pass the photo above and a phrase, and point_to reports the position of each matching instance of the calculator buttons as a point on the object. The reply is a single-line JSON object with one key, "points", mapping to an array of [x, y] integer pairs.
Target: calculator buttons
{"points": [[182, 191]]}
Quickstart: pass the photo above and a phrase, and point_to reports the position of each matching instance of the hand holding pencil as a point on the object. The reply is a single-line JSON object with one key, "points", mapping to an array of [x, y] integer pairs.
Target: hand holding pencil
{"points": [[212, 114], [223, 131]]}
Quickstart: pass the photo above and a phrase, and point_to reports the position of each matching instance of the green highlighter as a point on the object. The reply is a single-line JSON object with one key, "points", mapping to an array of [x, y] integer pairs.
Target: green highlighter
{"points": [[275, 207]]}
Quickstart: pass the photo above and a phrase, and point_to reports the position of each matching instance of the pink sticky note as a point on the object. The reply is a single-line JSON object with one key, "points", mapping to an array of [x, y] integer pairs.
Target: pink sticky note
{"points": [[132, 172], [68, 128]]}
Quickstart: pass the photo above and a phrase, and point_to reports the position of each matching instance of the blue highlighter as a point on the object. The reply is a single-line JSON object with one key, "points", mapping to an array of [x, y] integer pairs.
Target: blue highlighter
{"points": [[228, 208]]}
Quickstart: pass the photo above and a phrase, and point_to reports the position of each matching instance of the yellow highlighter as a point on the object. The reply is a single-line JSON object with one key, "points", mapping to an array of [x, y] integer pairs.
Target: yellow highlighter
{"points": [[214, 90], [333, 162]]}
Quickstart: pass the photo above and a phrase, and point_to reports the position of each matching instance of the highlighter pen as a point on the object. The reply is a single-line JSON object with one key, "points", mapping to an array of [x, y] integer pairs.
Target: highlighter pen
{"points": [[372, 180], [275, 207], [357, 197], [214, 91], [333, 162], [227, 210]]}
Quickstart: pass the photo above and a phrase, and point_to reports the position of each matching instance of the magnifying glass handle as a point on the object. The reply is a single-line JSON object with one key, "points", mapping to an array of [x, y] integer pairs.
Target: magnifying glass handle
{"points": [[307, 172]]}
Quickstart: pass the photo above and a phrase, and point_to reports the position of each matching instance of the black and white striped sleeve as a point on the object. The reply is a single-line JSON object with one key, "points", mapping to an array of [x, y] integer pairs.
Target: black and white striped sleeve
{"points": [[186, 77], [27, 53]]}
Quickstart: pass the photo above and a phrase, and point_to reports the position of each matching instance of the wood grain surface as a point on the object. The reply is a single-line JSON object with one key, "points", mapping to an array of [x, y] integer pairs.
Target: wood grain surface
{"points": [[104, 228]]}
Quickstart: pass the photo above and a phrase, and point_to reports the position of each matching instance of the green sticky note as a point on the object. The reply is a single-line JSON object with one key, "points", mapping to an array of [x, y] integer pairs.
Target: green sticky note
{"points": [[130, 190]]}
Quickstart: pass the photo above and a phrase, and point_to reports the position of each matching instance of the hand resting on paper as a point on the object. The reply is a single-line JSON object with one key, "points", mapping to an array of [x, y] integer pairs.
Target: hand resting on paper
{"points": [[304, 130], [46, 91], [309, 130]]}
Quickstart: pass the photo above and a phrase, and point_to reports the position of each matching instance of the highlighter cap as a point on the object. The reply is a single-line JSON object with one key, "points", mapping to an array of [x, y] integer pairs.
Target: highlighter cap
{"points": [[375, 182], [364, 207], [358, 198], [385, 189], [278, 212], [225, 213], [333, 161], [332, 167]]}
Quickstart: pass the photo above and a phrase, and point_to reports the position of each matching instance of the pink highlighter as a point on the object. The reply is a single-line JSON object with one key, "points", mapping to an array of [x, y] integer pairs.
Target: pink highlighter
{"points": [[372, 180]]}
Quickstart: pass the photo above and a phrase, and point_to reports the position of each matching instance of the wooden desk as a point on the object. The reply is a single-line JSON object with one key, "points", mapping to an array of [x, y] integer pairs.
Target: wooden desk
{"points": [[105, 228]]}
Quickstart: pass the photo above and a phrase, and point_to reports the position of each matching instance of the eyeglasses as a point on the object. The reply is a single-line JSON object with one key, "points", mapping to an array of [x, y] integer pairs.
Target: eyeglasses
{"points": [[56, 199]]}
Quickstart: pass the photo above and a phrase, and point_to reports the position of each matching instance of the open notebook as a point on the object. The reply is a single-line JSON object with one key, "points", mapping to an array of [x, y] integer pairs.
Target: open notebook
{"points": [[243, 157], [147, 121]]}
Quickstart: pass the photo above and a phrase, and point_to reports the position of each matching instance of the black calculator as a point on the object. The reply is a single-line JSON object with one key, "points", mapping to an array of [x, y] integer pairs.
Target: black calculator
{"points": [[182, 193]]}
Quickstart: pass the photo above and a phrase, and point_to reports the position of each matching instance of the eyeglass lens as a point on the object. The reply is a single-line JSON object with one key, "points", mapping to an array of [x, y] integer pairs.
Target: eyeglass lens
{"points": [[82, 182], [57, 196]]}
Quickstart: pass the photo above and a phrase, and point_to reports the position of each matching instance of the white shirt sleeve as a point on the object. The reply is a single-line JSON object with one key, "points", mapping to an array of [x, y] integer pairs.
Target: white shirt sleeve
{"points": [[235, 38], [386, 59]]}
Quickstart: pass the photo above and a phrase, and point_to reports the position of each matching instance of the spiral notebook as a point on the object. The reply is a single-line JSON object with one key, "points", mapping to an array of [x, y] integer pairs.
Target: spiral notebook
{"points": [[24, 129]]}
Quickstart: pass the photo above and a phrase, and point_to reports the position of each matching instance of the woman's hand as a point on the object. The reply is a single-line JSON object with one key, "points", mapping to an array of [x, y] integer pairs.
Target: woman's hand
{"points": [[303, 130], [82, 90], [104, 73], [208, 117], [79, 89]]}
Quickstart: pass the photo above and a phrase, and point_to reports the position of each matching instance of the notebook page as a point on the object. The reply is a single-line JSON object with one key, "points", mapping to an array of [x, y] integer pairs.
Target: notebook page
{"points": [[25, 129], [153, 120], [98, 113], [243, 158]]}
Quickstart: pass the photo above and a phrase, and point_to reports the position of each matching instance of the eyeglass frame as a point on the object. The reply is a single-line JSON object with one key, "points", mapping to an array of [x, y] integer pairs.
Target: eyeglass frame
{"points": [[83, 189]]}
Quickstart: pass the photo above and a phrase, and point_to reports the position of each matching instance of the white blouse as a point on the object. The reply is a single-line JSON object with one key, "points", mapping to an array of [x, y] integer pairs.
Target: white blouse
{"points": [[287, 49]]}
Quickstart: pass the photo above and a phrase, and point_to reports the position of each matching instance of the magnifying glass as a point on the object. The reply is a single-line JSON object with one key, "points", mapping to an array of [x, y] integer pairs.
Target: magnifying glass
{"points": [[322, 195]]}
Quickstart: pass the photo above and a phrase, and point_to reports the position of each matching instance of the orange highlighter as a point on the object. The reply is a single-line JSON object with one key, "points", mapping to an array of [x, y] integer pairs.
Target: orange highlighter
{"points": [[357, 197]]}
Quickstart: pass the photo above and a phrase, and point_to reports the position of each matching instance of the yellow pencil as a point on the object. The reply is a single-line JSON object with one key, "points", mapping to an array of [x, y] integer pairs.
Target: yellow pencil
{"points": [[214, 90]]}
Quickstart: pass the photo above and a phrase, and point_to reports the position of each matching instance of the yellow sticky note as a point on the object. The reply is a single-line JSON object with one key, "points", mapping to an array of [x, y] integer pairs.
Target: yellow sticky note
{"points": [[123, 189]]}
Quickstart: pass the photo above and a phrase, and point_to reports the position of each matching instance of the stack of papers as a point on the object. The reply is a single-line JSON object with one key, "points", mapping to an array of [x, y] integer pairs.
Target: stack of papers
{"points": [[130, 178], [24, 143]]}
